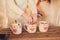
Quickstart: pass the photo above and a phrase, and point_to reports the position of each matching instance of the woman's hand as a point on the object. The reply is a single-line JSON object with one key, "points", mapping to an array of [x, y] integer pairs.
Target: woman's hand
{"points": [[34, 18], [31, 19], [27, 17]]}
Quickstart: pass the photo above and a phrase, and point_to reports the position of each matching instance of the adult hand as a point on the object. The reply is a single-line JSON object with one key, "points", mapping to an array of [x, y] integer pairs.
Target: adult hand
{"points": [[34, 18], [31, 19], [27, 17]]}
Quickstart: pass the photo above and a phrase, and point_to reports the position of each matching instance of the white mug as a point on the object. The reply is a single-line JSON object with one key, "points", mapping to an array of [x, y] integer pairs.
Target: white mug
{"points": [[43, 26], [30, 28], [16, 28]]}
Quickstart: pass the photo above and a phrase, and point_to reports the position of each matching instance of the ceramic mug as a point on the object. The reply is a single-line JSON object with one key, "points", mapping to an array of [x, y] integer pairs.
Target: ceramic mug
{"points": [[16, 28], [43, 26], [30, 28]]}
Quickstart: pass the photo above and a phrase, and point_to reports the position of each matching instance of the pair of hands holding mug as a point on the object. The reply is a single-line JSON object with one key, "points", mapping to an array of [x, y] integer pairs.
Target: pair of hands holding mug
{"points": [[31, 19]]}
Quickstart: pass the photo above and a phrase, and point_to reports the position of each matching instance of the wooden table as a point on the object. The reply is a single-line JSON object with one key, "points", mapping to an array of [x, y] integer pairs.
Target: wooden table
{"points": [[52, 34]]}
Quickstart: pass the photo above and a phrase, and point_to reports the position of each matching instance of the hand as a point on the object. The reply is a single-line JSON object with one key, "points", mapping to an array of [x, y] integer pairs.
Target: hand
{"points": [[34, 18], [27, 17]]}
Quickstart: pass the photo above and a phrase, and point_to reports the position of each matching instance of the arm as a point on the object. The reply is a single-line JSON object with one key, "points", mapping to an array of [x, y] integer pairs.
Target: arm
{"points": [[13, 7], [33, 8]]}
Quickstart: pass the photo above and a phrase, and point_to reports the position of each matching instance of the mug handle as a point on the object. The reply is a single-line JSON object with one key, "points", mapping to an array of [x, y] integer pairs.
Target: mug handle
{"points": [[20, 25], [25, 27], [10, 28]]}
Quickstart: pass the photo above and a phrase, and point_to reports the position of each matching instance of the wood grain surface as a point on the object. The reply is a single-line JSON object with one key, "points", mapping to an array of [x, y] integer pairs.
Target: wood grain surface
{"points": [[52, 34]]}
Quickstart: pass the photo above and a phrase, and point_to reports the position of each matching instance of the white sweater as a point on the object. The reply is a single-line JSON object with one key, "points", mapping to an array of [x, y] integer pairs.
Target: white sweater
{"points": [[14, 11]]}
